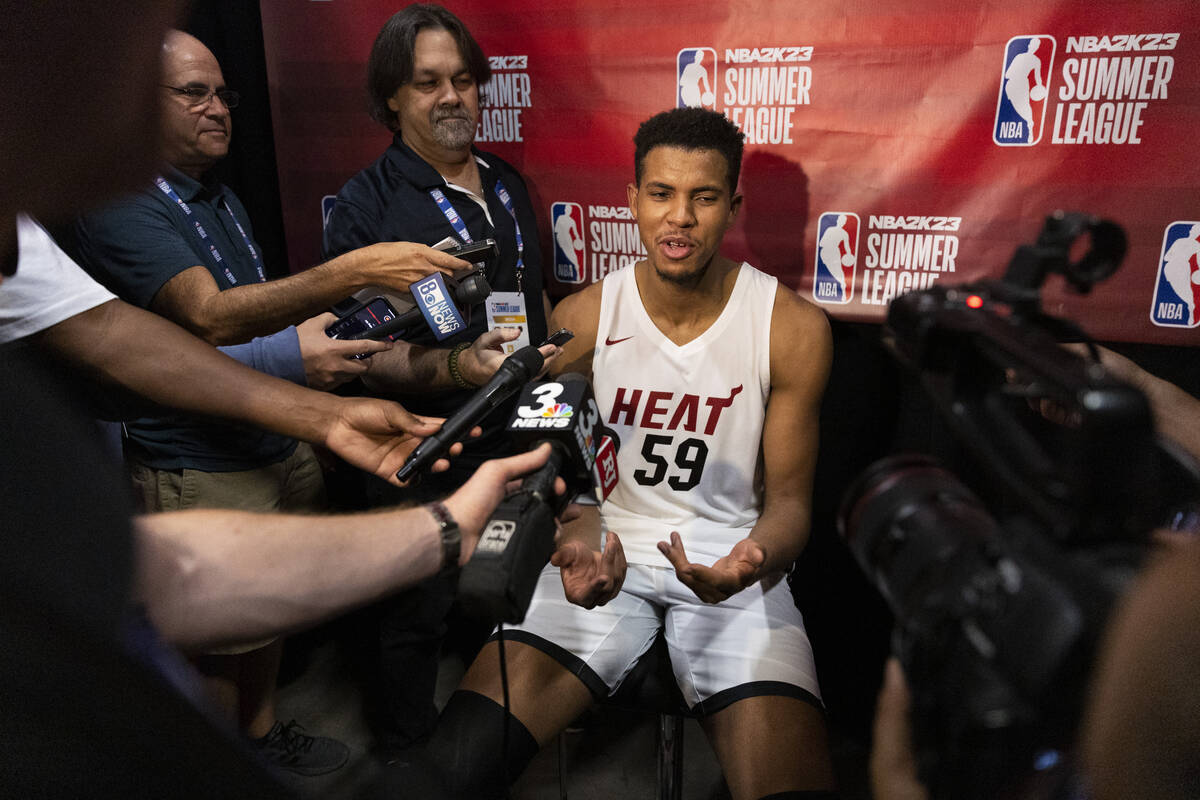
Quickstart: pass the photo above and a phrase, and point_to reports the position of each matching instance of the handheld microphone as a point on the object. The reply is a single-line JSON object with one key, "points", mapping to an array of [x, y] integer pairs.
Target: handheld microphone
{"points": [[514, 372], [498, 582], [436, 299]]}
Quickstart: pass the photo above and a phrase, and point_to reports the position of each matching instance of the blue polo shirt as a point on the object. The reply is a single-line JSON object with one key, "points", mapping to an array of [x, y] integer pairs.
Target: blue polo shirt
{"points": [[134, 247], [391, 201]]}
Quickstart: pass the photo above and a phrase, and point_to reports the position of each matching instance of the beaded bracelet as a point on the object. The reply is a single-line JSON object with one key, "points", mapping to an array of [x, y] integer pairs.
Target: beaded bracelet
{"points": [[455, 372]]}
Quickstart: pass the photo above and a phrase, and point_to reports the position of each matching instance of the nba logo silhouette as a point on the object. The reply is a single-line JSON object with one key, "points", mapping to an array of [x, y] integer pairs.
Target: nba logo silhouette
{"points": [[1177, 290], [1024, 87], [696, 77], [837, 257], [570, 253], [327, 209]]}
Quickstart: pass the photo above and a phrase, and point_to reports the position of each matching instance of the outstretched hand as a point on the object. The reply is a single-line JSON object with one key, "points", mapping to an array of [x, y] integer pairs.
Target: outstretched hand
{"points": [[589, 578], [475, 501], [480, 361], [725, 578], [377, 435], [400, 264]]}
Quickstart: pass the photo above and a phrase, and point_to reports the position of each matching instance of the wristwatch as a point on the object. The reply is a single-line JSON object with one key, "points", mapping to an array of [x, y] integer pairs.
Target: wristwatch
{"points": [[451, 537]]}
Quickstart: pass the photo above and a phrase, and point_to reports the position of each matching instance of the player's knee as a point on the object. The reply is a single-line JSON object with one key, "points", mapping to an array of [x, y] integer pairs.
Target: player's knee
{"points": [[467, 746]]}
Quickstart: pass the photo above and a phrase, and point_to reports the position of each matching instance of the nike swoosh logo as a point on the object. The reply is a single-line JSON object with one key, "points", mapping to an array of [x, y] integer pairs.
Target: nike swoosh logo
{"points": [[611, 342]]}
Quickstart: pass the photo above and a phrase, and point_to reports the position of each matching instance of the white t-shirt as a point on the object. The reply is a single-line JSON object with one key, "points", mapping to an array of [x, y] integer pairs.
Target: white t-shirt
{"points": [[48, 287]]}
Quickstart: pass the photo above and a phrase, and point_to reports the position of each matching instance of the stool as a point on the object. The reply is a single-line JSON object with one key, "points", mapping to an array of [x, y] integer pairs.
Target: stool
{"points": [[650, 686]]}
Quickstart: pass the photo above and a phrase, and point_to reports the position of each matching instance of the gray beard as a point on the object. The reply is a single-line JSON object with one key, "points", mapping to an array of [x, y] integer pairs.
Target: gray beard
{"points": [[453, 133]]}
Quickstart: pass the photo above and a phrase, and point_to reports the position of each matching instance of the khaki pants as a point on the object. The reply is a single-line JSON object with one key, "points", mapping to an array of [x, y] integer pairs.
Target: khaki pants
{"points": [[294, 484]]}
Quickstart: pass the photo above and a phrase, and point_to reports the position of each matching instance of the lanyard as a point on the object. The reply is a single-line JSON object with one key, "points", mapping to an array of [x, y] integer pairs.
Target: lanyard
{"points": [[204, 238], [460, 227]]}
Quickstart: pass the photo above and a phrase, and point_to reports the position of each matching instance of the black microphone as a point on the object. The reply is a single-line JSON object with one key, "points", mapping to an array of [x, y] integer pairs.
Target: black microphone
{"points": [[514, 372], [469, 291], [498, 582]]}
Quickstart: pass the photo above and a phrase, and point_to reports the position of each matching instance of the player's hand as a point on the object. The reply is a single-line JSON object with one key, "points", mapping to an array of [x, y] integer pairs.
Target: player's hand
{"points": [[377, 435], [479, 362], [893, 766], [331, 362], [589, 578], [398, 265], [725, 578]]}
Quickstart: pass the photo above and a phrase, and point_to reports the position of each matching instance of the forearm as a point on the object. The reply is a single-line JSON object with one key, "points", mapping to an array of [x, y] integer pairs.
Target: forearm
{"points": [[156, 359], [585, 528], [208, 577], [409, 368], [243, 312], [278, 354], [782, 530], [1176, 413]]}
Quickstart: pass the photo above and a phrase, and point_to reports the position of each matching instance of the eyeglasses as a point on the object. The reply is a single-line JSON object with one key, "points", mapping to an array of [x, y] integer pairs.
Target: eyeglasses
{"points": [[197, 96]]}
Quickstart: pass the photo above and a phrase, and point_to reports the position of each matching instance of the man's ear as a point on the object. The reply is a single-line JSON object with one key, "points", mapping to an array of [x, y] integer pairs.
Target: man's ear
{"points": [[631, 194]]}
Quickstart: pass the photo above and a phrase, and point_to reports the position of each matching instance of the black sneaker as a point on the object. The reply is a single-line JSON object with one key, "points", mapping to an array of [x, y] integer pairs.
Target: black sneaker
{"points": [[287, 748]]}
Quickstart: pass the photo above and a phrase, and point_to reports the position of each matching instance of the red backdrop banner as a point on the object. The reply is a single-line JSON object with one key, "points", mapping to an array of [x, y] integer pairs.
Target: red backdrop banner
{"points": [[891, 147]]}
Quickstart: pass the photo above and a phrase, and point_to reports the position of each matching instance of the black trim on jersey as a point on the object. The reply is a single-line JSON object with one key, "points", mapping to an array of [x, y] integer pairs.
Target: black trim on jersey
{"points": [[727, 697], [572, 663]]}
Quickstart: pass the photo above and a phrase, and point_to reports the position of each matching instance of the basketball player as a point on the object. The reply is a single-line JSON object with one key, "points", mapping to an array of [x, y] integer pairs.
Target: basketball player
{"points": [[712, 374]]}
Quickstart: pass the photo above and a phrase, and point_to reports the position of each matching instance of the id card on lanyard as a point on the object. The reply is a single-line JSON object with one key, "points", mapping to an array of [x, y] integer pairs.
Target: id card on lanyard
{"points": [[507, 310], [504, 309]]}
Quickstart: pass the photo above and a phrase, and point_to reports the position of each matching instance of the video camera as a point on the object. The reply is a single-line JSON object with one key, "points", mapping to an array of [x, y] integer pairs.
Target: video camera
{"points": [[1000, 594]]}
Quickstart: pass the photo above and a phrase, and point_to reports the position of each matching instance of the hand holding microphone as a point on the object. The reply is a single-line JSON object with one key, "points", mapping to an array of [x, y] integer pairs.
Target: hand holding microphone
{"points": [[435, 305], [516, 370], [498, 582]]}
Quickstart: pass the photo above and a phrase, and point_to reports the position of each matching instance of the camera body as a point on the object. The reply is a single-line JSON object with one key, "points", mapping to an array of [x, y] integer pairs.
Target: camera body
{"points": [[1001, 592]]}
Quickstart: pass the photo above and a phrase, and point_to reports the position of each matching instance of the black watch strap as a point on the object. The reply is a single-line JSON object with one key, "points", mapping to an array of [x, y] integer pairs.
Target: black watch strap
{"points": [[451, 537]]}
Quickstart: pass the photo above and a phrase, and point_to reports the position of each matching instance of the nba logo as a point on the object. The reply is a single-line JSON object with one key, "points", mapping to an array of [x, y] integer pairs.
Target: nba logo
{"points": [[1024, 87], [837, 257], [566, 219], [1177, 291], [327, 209], [695, 77]]}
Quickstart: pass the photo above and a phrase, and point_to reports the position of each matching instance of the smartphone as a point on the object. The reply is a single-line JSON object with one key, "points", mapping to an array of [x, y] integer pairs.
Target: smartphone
{"points": [[559, 337], [374, 313], [475, 252]]}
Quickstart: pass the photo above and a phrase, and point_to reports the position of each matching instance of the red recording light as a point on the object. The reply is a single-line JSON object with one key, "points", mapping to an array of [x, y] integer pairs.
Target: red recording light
{"points": [[974, 301]]}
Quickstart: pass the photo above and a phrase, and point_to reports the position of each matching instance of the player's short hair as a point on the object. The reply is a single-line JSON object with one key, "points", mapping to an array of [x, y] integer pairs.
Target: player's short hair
{"points": [[390, 64], [690, 129]]}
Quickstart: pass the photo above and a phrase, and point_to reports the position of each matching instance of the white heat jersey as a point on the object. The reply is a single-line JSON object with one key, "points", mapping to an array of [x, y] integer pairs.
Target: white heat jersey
{"points": [[689, 418]]}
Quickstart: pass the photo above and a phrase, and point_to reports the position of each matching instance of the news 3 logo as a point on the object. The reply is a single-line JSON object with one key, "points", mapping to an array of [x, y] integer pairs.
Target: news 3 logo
{"points": [[327, 209], [837, 257], [1177, 290], [570, 253], [1024, 87], [696, 78]]}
